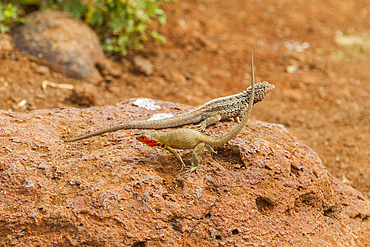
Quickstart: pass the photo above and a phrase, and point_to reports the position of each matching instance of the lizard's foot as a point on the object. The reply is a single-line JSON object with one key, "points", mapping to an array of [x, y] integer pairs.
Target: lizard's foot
{"points": [[182, 166], [201, 127], [211, 150], [189, 170]]}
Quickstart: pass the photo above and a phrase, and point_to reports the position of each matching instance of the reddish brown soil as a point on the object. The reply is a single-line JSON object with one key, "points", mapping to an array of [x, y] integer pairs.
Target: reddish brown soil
{"points": [[324, 102]]}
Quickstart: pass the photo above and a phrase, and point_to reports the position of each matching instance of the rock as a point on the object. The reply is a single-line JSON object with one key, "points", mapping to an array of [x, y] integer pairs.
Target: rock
{"points": [[143, 65], [263, 188], [6, 45], [109, 69], [61, 41], [43, 70], [84, 95], [174, 77]]}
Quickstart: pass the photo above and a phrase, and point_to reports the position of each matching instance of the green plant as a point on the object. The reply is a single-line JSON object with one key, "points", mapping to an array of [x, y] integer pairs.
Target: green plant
{"points": [[9, 13], [119, 23]]}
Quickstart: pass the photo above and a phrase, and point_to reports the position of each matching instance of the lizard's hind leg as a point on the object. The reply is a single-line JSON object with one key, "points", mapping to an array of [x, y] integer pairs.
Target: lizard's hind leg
{"points": [[195, 159], [209, 148], [208, 121]]}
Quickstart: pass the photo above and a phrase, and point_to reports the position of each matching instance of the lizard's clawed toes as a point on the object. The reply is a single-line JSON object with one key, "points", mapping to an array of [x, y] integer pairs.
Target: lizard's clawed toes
{"points": [[200, 127], [189, 171], [182, 167]]}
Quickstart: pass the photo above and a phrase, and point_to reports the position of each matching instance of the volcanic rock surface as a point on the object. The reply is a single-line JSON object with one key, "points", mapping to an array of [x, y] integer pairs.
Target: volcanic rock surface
{"points": [[263, 188]]}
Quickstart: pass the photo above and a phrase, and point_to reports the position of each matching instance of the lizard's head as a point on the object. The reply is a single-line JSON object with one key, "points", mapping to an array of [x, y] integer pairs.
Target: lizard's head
{"points": [[261, 89], [149, 139]]}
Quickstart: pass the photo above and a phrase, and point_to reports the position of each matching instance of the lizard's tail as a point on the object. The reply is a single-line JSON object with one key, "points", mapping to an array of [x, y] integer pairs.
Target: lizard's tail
{"points": [[102, 131], [216, 141], [178, 120]]}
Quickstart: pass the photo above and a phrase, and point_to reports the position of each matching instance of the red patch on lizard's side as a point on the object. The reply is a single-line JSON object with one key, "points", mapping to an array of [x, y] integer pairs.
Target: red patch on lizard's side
{"points": [[147, 141]]}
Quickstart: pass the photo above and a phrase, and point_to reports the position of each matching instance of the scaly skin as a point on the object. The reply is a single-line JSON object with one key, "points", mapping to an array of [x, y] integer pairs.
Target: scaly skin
{"points": [[192, 139], [208, 113]]}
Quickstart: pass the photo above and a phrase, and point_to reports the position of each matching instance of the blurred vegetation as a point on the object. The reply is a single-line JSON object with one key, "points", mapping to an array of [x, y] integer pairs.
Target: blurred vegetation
{"points": [[9, 13], [120, 24]]}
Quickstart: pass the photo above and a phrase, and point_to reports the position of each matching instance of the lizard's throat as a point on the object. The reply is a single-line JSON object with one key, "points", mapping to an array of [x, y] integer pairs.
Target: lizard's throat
{"points": [[147, 141]]}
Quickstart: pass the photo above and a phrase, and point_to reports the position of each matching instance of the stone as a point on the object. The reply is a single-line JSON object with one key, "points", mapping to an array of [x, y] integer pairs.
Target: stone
{"points": [[175, 77], [108, 68], [61, 41], [143, 65], [263, 188], [43, 70], [6, 43], [84, 95]]}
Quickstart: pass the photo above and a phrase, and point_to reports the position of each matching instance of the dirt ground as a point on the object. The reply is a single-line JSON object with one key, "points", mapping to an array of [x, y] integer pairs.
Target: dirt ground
{"points": [[316, 53]]}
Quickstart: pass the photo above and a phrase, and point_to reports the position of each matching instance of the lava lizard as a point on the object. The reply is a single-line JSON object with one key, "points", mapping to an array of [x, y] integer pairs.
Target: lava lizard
{"points": [[193, 139], [209, 113]]}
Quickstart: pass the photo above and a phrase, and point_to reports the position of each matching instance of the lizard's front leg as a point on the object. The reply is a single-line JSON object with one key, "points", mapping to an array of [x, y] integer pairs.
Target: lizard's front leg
{"points": [[177, 155], [208, 121], [195, 159], [237, 119], [209, 148]]}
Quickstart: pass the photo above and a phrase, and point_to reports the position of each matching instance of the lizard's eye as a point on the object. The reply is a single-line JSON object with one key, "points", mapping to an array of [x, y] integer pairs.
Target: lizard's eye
{"points": [[141, 138]]}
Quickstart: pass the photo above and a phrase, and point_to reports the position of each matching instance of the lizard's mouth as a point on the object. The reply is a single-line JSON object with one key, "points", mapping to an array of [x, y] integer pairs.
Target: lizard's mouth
{"points": [[147, 141]]}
